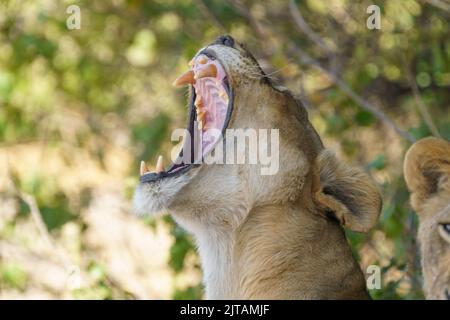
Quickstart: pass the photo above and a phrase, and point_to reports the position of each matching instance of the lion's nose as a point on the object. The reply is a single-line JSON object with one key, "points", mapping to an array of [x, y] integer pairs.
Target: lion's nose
{"points": [[226, 40]]}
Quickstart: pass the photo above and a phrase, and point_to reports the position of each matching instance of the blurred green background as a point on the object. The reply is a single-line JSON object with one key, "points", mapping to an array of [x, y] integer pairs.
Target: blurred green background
{"points": [[80, 108]]}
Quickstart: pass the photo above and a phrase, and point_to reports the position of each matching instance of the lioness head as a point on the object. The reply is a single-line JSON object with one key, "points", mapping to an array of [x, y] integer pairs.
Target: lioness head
{"points": [[427, 174], [229, 90]]}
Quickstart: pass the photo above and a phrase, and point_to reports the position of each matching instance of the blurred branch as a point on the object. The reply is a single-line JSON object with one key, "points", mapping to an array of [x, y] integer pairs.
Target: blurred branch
{"points": [[443, 5], [254, 24], [303, 97], [37, 219], [305, 28], [421, 105], [210, 15], [306, 59], [363, 103], [64, 259]]}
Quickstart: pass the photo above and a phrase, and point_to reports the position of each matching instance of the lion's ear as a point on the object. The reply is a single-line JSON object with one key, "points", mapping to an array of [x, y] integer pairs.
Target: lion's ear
{"points": [[426, 168], [348, 194]]}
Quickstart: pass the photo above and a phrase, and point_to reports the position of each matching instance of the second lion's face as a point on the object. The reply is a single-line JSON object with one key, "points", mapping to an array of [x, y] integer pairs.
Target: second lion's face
{"points": [[427, 174]]}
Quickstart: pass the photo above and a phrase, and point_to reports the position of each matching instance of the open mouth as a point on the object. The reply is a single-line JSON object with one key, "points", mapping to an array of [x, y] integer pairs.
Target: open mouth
{"points": [[210, 109]]}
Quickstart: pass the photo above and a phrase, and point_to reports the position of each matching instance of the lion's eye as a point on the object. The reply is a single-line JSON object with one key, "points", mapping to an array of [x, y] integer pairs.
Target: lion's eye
{"points": [[446, 227], [444, 230]]}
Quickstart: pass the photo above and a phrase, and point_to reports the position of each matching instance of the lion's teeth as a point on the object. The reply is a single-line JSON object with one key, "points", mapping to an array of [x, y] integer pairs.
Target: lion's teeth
{"points": [[208, 71], [160, 164], [202, 60], [200, 116], [199, 111], [198, 102], [143, 169], [185, 78]]}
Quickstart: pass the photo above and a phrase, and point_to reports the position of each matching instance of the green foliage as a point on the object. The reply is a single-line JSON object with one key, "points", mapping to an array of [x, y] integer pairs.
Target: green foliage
{"points": [[108, 86], [364, 118], [378, 163], [190, 293], [13, 276], [183, 244], [152, 133]]}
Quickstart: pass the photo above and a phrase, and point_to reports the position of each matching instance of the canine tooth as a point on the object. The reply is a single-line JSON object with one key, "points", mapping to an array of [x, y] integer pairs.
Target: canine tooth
{"points": [[200, 119], [208, 71], [185, 78], [202, 60], [201, 115], [198, 101], [206, 128], [143, 169], [160, 164]]}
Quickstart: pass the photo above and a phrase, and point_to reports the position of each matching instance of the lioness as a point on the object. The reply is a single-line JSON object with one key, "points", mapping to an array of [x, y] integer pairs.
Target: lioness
{"points": [[276, 236], [427, 174]]}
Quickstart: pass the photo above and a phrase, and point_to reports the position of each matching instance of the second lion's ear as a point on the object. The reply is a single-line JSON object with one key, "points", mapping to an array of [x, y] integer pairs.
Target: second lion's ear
{"points": [[346, 193], [426, 167]]}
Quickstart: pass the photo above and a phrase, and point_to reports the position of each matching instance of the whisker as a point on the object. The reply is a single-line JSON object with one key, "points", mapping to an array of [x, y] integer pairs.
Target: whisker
{"points": [[276, 71], [258, 74]]}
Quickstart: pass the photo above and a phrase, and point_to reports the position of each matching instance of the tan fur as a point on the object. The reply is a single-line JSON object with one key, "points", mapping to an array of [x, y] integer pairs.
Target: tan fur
{"points": [[278, 236], [427, 174]]}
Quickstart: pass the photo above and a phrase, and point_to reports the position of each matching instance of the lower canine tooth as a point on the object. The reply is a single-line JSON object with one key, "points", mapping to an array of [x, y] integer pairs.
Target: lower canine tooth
{"points": [[160, 164], [143, 169], [208, 71]]}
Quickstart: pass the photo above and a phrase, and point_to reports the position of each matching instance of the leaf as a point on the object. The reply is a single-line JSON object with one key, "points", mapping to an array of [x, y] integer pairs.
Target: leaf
{"points": [[378, 163], [13, 275], [364, 118]]}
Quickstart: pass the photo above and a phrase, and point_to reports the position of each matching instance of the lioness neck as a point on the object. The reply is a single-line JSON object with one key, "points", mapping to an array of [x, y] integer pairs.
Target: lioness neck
{"points": [[280, 252]]}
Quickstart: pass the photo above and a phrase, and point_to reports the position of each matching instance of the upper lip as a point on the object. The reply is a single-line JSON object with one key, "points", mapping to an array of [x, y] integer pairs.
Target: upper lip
{"points": [[152, 176], [207, 52]]}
